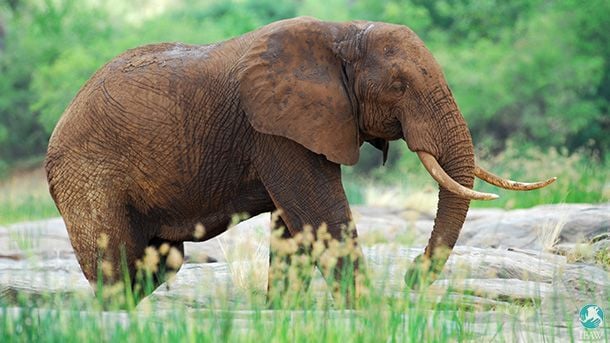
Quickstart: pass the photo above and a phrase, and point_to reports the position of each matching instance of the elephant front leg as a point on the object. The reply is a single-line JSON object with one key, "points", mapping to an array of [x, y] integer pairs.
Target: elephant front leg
{"points": [[307, 190], [290, 273]]}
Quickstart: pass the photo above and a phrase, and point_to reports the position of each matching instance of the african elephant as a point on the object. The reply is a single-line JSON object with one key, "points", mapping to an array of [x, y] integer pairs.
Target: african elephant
{"points": [[166, 136]]}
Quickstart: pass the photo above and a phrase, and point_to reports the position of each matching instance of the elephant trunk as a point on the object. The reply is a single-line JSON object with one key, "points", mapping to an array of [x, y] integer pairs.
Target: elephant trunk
{"points": [[452, 164], [442, 141], [458, 163]]}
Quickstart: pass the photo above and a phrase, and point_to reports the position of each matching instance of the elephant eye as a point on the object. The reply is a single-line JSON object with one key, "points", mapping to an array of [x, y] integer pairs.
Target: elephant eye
{"points": [[398, 87]]}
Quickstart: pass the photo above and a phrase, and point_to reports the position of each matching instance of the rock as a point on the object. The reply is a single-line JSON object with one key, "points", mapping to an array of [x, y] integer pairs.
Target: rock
{"points": [[536, 228], [528, 228], [39, 237], [485, 228], [501, 289], [505, 264], [499, 260]]}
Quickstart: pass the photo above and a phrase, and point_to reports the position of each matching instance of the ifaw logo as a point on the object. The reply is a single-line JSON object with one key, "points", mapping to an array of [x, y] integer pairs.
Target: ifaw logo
{"points": [[591, 317]]}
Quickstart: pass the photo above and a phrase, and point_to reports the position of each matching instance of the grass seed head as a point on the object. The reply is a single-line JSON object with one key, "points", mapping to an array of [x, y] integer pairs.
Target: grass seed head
{"points": [[164, 249], [199, 231], [151, 260], [102, 241], [174, 258]]}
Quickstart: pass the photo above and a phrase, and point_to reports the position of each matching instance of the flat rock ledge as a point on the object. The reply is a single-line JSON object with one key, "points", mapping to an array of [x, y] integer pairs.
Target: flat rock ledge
{"points": [[501, 259]]}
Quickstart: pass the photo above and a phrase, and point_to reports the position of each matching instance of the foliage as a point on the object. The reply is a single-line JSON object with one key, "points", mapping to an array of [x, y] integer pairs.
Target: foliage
{"points": [[528, 70], [535, 72], [25, 196], [582, 177], [53, 29]]}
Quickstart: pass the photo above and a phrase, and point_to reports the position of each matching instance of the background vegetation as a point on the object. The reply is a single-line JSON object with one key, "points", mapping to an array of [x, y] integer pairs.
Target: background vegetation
{"points": [[532, 72], [532, 78]]}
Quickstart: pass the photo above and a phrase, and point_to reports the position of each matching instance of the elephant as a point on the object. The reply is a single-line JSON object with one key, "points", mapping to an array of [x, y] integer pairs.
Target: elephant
{"points": [[166, 136]]}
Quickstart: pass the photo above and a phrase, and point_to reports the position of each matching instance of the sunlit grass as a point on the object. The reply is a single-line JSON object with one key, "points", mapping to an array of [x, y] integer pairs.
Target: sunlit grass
{"points": [[395, 323], [24, 196], [441, 314], [581, 178]]}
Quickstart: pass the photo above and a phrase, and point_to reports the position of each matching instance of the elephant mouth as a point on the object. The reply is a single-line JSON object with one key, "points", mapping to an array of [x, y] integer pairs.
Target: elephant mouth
{"points": [[443, 179]]}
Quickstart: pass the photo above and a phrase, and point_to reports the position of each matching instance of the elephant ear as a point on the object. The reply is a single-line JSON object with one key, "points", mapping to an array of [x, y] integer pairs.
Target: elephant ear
{"points": [[291, 84]]}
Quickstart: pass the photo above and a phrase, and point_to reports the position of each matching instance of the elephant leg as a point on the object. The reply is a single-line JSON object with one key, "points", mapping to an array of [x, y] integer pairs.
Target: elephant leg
{"points": [[105, 243], [279, 232], [307, 189], [111, 243], [278, 276]]}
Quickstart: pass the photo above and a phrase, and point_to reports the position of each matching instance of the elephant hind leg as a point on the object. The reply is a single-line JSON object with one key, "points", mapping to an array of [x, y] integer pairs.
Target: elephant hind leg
{"points": [[105, 242], [144, 268], [114, 246], [115, 254]]}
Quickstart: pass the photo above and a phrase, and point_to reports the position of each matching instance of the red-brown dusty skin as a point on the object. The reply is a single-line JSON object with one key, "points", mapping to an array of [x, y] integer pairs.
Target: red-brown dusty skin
{"points": [[165, 136]]}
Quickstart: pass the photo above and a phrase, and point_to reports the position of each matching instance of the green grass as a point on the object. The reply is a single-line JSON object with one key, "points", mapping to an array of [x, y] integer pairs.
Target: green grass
{"points": [[24, 196], [28, 208], [403, 318], [430, 315], [581, 178], [220, 326]]}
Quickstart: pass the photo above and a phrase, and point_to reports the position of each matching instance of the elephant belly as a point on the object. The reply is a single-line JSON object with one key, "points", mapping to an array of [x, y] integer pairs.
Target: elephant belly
{"points": [[214, 207]]}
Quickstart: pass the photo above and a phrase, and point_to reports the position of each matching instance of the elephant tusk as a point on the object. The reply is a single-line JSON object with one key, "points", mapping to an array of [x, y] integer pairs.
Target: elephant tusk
{"points": [[509, 184], [437, 172]]}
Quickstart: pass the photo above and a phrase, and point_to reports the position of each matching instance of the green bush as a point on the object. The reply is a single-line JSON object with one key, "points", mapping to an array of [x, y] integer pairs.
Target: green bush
{"points": [[38, 35], [536, 71]]}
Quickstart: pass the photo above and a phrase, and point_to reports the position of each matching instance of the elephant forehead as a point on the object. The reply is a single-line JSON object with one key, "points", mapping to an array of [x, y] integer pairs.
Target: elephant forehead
{"points": [[396, 41]]}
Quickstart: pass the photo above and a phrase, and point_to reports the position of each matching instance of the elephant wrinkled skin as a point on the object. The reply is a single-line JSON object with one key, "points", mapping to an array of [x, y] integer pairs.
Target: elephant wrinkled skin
{"points": [[166, 136]]}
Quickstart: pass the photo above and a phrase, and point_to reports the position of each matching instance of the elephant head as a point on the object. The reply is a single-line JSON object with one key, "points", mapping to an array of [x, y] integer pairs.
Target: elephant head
{"points": [[333, 86]]}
